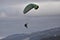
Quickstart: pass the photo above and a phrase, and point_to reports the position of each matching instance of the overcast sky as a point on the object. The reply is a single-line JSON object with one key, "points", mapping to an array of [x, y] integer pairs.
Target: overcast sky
{"points": [[12, 19], [15, 7]]}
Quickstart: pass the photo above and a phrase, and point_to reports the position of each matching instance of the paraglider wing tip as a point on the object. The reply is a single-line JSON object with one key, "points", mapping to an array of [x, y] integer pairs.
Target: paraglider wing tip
{"points": [[24, 12], [36, 7]]}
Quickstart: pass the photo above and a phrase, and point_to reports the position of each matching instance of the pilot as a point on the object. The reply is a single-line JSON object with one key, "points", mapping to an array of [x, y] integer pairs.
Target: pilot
{"points": [[26, 25]]}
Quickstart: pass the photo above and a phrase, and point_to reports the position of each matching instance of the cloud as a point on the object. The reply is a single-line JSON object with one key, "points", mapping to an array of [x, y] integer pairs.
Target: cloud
{"points": [[2, 14], [14, 2], [16, 11], [1, 37], [46, 8], [11, 11], [45, 0]]}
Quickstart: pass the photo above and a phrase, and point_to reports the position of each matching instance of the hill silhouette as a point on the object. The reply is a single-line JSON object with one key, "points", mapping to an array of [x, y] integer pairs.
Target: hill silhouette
{"points": [[51, 34]]}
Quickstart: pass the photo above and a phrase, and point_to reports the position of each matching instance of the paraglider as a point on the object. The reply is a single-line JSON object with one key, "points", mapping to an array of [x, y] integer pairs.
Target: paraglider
{"points": [[29, 7]]}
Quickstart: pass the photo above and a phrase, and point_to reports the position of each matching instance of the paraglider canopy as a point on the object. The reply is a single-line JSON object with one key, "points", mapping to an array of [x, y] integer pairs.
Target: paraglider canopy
{"points": [[29, 7]]}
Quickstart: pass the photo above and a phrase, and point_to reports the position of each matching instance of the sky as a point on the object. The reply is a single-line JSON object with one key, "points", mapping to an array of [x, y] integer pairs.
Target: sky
{"points": [[12, 19]]}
